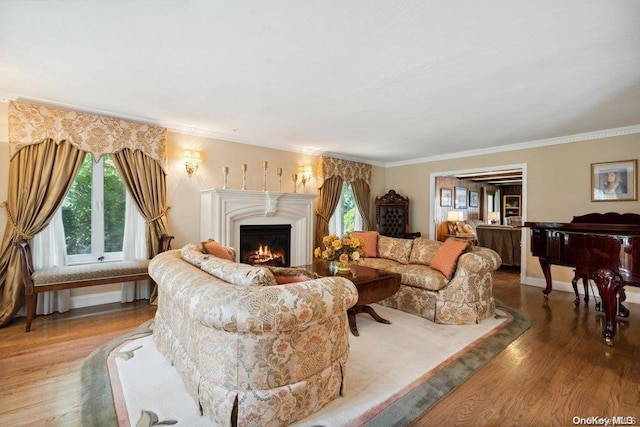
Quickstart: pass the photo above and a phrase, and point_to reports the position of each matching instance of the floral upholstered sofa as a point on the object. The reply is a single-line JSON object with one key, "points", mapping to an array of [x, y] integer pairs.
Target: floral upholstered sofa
{"points": [[449, 283], [251, 351]]}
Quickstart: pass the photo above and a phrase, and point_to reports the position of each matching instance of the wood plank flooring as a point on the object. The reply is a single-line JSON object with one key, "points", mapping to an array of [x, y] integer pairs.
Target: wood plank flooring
{"points": [[558, 369]]}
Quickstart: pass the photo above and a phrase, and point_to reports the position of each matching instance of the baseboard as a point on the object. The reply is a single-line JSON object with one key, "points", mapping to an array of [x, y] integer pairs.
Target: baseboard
{"points": [[632, 297], [98, 298]]}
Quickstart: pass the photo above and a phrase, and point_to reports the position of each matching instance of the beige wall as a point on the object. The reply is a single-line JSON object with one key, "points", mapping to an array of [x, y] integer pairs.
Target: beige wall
{"points": [[557, 185]]}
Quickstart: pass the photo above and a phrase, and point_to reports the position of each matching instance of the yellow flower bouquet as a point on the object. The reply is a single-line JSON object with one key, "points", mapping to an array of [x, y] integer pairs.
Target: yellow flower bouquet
{"points": [[341, 251]]}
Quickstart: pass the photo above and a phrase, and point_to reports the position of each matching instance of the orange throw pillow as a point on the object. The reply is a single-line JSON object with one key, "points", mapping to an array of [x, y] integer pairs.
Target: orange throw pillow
{"points": [[446, 259], [216, 249], [369, 240]]}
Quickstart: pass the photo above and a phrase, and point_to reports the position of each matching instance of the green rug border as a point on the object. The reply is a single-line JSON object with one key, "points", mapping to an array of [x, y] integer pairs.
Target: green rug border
{"points": [[415, 403], [101, 411]]}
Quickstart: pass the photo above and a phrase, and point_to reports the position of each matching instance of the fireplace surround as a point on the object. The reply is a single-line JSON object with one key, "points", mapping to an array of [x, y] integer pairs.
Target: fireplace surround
{"points": [[223, 211]]}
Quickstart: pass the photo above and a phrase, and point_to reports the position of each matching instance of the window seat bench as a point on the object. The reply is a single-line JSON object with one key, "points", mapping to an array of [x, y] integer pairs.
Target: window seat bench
{"points": [[77, 276]]}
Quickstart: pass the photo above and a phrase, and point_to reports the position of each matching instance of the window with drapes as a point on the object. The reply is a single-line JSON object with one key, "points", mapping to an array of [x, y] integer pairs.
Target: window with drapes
{"points": [[332, 175]]}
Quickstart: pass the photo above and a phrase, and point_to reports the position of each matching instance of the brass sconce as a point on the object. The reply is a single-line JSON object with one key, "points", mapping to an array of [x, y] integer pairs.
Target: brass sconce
{"points": [[306, 173], [191, 161]]}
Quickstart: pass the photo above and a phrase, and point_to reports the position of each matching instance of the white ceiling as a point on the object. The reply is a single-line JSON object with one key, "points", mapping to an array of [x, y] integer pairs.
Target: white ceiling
{"points": [[380, 81]]}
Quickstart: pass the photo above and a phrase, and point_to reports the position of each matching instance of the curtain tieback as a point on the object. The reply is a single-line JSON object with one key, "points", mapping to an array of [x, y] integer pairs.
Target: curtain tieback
{"points": [[321, 216], [12, 221], [160, 215]]}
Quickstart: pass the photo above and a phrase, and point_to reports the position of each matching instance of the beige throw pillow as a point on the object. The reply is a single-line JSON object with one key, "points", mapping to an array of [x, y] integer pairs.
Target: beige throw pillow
{"points": [[394, 249], [424, 250]]}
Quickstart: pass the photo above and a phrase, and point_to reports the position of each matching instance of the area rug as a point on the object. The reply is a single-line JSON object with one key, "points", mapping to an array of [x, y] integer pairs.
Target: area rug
{"points": [[394, 373]]}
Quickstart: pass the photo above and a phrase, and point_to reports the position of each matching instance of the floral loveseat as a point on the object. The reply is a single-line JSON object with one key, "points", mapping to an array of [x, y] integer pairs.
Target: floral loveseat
{"points": [[461, 296], [251, 351]]}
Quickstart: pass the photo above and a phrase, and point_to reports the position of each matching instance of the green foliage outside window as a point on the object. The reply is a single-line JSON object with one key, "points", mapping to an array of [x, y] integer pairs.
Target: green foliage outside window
{"points": [[77, 209]]}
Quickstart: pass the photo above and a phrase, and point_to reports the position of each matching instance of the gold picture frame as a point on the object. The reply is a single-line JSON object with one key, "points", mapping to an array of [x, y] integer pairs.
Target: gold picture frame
{"points": [[614, 181]]}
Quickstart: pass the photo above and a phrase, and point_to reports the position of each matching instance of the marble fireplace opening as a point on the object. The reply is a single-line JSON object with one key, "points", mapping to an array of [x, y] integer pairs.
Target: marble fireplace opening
{"points": [[268, 244]]}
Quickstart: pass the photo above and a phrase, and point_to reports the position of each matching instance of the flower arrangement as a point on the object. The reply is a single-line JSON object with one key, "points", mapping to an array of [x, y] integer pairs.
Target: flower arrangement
{"points": [[343, 250]]}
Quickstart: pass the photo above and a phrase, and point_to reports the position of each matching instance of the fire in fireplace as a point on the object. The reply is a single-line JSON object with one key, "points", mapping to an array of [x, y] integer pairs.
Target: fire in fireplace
{"points": [[265, 244]]}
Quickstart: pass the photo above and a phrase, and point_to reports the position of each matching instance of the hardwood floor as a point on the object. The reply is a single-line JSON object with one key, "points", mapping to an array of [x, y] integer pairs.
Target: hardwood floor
{"points": [[40, 370], [560, 368]]}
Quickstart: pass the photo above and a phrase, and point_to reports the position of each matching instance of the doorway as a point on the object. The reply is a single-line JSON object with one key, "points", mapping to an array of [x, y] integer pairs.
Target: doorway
{"points": [[502, 181]]}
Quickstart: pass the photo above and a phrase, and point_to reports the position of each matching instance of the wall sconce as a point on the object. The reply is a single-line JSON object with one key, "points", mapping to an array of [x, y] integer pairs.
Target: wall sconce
{"points": [[493, 217], [453, 217], [191, 161], [306, 173]]}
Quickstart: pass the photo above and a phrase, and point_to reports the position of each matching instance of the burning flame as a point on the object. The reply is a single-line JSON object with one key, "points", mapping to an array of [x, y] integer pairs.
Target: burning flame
{"points": [[264, 255]]}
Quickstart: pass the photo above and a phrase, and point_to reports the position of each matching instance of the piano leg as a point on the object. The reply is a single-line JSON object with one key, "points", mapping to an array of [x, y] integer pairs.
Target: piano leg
{"points": [[546, 271], [585, 282], [609, 285]]}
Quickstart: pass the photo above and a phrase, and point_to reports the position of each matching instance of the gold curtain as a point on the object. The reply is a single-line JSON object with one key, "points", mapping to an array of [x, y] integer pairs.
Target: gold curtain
{"points": [[327, 202], [146, 181], [148, 185], [362, 195], [39, 178]]}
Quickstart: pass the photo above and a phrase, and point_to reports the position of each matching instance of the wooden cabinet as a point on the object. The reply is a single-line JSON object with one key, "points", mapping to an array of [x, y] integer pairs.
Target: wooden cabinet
{"points": [[510, 206]]}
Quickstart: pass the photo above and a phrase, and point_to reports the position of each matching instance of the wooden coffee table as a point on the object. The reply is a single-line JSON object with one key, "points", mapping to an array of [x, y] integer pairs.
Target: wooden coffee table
{"points": [[373, 285]]}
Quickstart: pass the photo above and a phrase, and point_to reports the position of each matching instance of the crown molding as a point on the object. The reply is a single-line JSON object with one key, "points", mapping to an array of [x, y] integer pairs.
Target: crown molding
{"points": [[205, 133], [606, 133]]}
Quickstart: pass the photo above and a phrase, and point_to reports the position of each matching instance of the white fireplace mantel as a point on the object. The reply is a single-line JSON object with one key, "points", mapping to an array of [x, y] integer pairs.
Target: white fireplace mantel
{"points": [[222, 212]]}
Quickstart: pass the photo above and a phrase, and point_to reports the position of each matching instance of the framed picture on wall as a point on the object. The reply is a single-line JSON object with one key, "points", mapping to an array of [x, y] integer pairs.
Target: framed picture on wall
{"points": [[614, 181], [473, 199], [460, 198], [445, 197]]}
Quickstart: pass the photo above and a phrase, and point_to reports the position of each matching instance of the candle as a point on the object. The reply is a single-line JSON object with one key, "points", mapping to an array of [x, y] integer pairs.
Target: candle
{"points": [[294, 177], [264, 164], [244, 167], [225, 169], [279, 171]]}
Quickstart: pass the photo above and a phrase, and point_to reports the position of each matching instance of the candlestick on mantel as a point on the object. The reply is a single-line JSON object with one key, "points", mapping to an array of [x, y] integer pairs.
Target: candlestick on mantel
{"points": [[279, 173], [264, 178], [244, 176], [225, 172], [294, 177]]}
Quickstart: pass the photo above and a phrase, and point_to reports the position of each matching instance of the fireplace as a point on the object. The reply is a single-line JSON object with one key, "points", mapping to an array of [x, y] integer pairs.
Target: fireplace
{"points": [[266, 245], [224, 211]]}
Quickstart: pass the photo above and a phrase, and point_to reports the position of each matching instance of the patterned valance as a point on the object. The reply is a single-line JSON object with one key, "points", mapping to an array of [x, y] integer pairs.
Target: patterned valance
{"points": [[99, 135], [346, 169]]}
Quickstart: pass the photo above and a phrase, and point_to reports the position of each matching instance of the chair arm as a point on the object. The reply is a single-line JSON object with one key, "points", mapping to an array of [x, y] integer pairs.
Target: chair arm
{"points": [[480, 260]]}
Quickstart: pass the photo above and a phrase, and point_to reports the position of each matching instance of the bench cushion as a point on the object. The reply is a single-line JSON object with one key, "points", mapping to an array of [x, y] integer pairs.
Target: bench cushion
{"points": [[78, 273]]}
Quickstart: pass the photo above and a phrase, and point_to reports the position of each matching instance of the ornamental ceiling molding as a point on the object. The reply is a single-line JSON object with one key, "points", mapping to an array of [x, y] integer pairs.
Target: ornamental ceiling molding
{"points": [[31, 124], [348, 170]]}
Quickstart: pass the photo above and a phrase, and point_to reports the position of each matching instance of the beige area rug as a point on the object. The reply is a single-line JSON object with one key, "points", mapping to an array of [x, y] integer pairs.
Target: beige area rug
{"points": [[395, 373]]}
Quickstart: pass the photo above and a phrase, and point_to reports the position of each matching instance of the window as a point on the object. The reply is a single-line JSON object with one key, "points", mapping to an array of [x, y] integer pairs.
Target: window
{"points": [[346, 218], [93, 213]]}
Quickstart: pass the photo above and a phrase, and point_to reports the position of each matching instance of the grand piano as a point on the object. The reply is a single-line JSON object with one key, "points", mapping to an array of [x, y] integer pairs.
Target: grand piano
{"points": [[602, 247]]}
